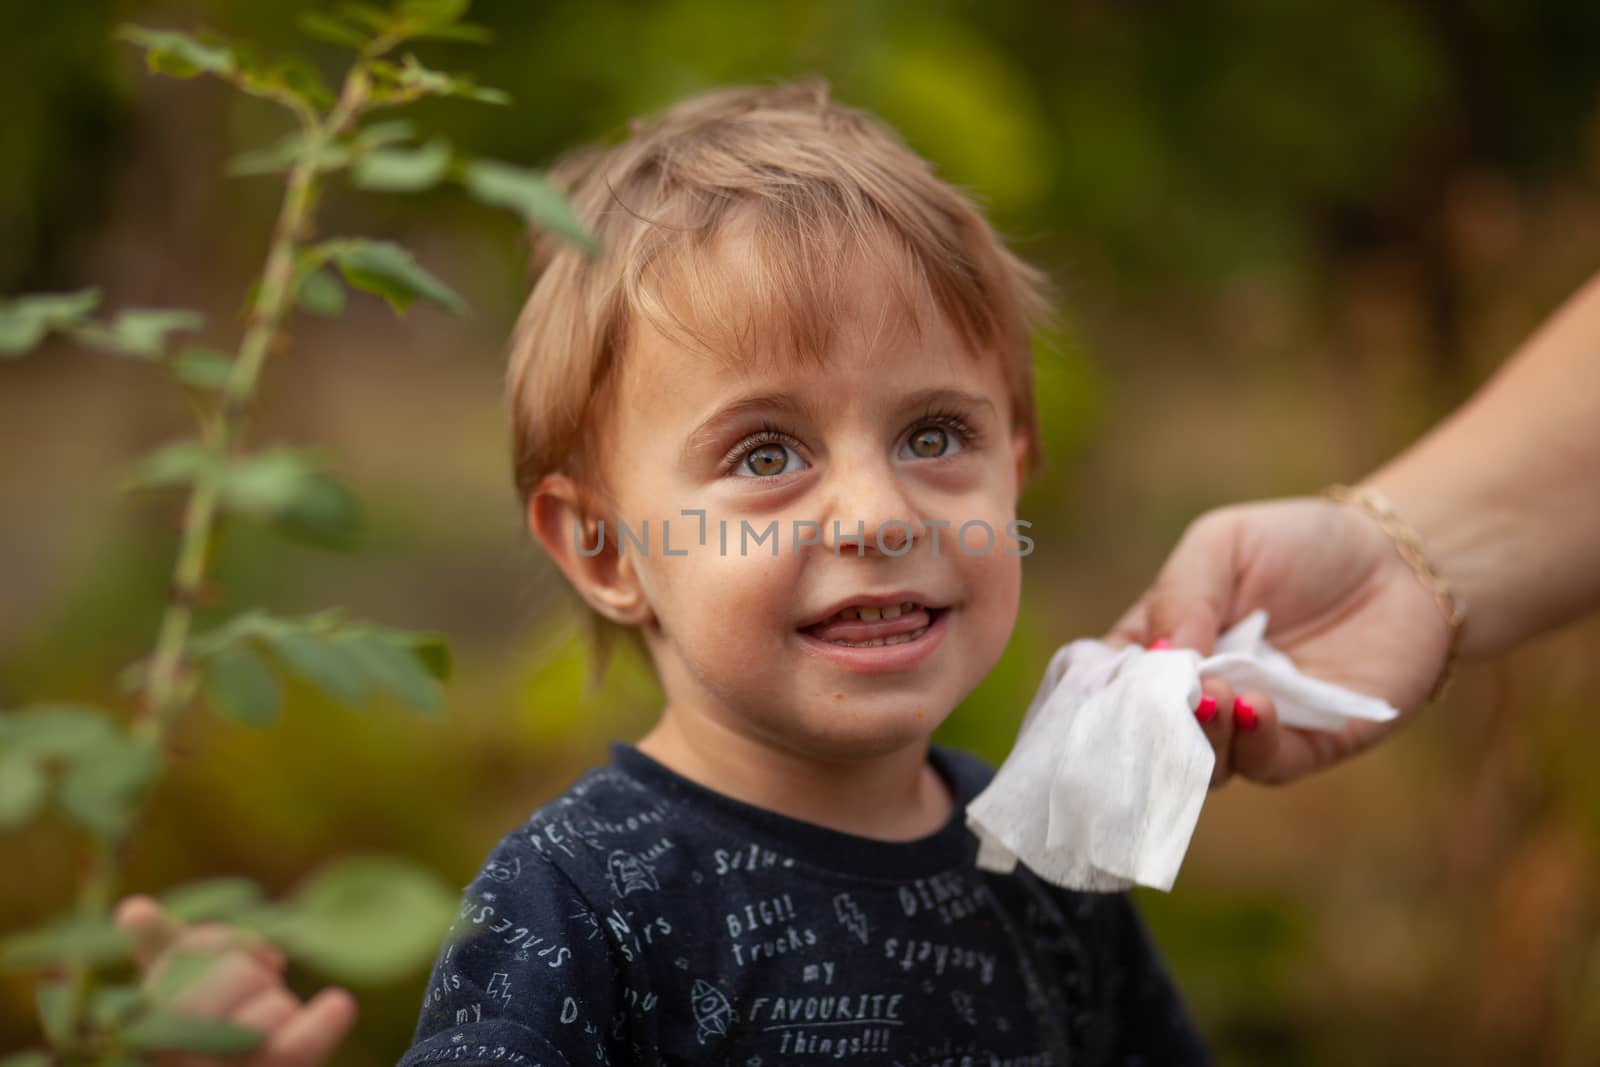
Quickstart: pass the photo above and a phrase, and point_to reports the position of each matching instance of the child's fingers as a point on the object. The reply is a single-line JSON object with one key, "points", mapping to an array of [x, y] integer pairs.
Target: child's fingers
{"points": [[152, 931], [220, 942], [266, 1011], [231, 982], [309, 1037], [220, 937], [1215, 716]]}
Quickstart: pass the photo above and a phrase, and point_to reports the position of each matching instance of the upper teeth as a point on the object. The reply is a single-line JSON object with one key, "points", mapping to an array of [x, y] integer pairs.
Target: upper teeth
{"points": [[873, 613]]}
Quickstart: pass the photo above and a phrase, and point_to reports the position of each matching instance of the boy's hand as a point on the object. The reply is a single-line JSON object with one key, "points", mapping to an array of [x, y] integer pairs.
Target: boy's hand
{"points": [[242, 985]]}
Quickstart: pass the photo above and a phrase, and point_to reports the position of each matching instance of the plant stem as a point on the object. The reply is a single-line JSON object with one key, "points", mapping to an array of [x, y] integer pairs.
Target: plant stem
{"points": [[164, 695]]}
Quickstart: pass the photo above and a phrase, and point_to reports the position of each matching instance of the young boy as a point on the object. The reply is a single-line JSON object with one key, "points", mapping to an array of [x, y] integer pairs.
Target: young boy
{"points": [[775, 433]]}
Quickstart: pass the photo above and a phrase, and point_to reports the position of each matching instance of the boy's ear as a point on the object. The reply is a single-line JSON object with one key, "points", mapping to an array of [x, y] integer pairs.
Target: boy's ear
{"points": [[605, 579]]}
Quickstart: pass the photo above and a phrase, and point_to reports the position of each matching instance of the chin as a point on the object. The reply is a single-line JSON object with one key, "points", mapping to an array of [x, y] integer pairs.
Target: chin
{"points": [[869, 733]]}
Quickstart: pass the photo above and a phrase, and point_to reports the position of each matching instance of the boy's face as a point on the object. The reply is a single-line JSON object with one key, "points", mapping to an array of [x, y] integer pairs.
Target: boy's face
{"points": [[879, 436]]}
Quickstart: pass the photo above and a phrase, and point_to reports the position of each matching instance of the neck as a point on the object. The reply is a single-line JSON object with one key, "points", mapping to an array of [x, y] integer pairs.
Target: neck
{"points": [[892, 796]]}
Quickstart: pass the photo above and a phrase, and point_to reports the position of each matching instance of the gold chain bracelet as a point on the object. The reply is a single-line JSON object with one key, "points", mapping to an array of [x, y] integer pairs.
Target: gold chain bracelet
{"points": [[1409, 546]]}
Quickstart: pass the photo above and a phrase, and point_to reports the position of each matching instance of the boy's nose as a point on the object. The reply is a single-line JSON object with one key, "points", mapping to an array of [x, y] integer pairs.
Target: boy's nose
{"points": [[871, 508]]}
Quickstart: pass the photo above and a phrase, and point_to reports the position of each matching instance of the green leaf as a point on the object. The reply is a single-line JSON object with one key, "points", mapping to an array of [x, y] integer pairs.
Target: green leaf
{"points": [[179, 55], [389, 271], [327, 28], [141, 333], [433, 13], [180, 463], [292, 76], [483, 93], [387, 132], [25, 321], [56, 730], [105, 783], [327, 665], [159, 1030], [183, 968], [68, 940], [279, 158], [243, 626], [50, 999], [267, 483], [145, 332], [371, 16], [529, 195], [242, 686], [272, 159], [395, 667], [412, 77], [285, 486], [116, 1004], [323, 513], [403, 170], [24, 788], [366, 919], [203, 368], [213, 900], [433, 650], [58, 307], [19, 335], [321, 294]]}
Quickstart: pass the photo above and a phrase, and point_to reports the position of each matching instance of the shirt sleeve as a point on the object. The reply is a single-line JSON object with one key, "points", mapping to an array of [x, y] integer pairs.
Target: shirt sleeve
{"points": [[526, 975], [1152, 1026]]}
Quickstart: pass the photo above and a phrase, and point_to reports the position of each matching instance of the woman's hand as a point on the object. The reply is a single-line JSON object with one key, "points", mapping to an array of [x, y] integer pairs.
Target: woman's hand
{"points": [[1340, 602], [243, 984]]}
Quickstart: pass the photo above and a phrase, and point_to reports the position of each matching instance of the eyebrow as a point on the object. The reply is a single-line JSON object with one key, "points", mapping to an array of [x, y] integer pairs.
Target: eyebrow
{"points": [[950, 398], [705, 435]]}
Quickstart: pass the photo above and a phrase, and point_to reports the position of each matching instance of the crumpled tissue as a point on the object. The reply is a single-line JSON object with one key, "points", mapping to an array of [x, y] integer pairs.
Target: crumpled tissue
{"points": [[1104, 785]]}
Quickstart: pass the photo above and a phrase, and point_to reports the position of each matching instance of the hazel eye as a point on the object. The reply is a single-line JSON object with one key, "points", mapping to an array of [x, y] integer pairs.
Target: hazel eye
{"points": [[768, 460], [931, 442]]}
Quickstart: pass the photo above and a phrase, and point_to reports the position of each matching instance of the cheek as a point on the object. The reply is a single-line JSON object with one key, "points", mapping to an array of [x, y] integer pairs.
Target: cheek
{"points": [[725, 606], [994, 577]]}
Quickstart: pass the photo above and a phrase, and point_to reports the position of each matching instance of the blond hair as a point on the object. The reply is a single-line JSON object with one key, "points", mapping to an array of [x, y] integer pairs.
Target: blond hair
{"points": [[816, 187]]}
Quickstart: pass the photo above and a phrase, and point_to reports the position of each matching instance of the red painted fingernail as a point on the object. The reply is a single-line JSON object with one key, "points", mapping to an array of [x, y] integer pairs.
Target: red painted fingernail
{"points": [[1244, 715], [1207, 710], [1159, 643]]}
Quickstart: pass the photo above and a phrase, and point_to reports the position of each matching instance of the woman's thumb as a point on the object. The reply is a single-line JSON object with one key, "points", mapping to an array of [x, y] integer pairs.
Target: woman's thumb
{"points": [[1189, 602]]}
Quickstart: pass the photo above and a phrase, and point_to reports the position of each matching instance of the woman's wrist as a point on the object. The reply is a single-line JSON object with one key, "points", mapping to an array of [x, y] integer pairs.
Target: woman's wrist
{"points": [[1503, 492], [1409, 547], [1469, 541]]}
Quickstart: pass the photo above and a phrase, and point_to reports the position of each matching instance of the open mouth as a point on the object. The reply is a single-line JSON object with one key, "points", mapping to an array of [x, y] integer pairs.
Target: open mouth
{"points": [[875, 626]]}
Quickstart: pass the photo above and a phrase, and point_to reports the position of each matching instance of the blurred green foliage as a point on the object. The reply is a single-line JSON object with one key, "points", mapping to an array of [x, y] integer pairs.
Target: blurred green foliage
{"points": [[365, 919]]}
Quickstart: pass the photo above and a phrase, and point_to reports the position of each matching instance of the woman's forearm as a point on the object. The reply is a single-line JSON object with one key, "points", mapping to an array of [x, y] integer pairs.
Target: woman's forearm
{"points": [[1505, 493]]}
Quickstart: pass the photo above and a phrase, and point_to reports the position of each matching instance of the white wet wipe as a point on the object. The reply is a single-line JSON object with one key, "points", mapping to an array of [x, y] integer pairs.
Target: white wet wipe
{"points": [[1104, 785]]}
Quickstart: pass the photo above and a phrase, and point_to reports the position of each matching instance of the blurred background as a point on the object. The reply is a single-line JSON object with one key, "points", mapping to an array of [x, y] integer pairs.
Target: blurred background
{"points": [[1288, 237]]}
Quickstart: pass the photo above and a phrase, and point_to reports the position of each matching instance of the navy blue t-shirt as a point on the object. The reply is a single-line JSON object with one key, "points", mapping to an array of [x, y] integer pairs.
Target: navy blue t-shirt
{"points": [[641, 918]]}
